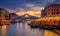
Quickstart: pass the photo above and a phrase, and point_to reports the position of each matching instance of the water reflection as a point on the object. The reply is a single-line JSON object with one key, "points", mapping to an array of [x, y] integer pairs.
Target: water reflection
{"points": [[23, 29], [3, 30], [11, 30], [50, 33]]}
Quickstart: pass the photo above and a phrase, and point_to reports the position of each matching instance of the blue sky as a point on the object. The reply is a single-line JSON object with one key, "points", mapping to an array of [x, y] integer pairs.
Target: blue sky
{"points": [[26, 4]]}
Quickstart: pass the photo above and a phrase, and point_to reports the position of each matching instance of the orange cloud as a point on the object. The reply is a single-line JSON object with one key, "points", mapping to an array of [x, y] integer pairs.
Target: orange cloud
{"points": [[36, 11], [30, 13]]}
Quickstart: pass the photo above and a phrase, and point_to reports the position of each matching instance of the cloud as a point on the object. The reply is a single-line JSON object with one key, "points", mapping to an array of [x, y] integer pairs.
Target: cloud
{"points": [[30, 13], [32, 7], [35, 11], [57, 2], [12, 10], [22, 3], [26, 5]]}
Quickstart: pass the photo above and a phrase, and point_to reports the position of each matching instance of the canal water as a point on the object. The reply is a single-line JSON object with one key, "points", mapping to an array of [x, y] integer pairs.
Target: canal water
{"points": [[23, 29]]}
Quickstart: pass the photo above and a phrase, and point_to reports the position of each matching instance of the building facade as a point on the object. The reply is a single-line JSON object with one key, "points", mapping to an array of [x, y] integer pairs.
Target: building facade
{"points": [[13, 17], [4, 16], [51, 10]]}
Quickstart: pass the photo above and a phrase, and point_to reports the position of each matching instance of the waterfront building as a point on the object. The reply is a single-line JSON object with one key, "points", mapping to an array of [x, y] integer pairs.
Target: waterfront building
{"points": [[4, 13], [13, 17], [51, 15], [51, 10], [4, 16]]}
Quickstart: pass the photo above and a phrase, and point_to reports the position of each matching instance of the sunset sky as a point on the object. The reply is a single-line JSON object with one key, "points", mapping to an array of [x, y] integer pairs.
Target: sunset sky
{"points": [[32, 7]]}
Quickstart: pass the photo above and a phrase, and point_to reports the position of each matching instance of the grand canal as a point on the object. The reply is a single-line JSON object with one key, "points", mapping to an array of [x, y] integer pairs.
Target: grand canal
{"points": [[23, 29]]}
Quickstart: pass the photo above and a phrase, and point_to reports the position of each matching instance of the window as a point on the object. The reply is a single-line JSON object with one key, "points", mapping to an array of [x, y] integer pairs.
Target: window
{"points": [[57, 12], [45, 14], [57, 9], [6, 16], [52, 13], [48, 9], [52, 9]]}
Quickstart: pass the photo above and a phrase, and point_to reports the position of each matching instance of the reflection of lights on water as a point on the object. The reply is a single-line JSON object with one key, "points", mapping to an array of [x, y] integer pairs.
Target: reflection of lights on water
{"points": [[4, 30], [25, 30], [49, 33]]}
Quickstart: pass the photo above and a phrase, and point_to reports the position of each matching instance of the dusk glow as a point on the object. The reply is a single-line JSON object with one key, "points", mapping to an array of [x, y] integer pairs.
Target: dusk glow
{"points": [[29, 17], [26, 5]]}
